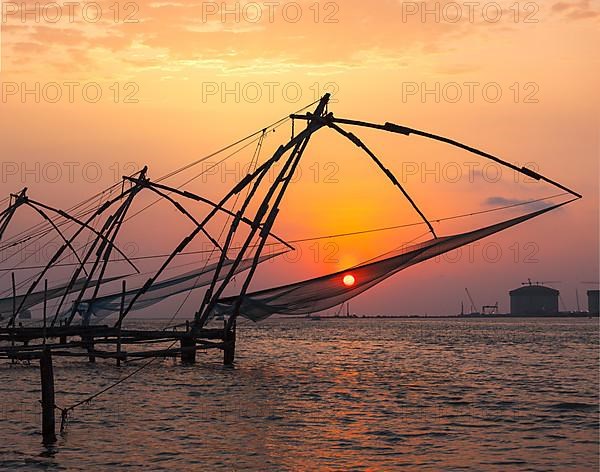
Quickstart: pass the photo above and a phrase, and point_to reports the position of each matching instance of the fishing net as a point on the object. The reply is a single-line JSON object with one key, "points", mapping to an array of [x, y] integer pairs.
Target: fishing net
{"points": [[107, 305], [35, 298], [322, 293]]}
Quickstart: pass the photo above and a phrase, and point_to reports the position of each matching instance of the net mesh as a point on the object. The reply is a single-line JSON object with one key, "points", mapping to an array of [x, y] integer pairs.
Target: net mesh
{"points": [[35, 298], [322, 293], [107, 305]]}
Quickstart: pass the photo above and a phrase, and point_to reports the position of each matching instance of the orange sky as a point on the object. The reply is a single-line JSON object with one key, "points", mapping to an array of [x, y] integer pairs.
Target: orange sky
{"points": [[181, 79]]}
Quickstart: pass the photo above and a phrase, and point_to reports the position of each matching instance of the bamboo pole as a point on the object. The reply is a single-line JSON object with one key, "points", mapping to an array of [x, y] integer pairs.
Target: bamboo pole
{"points": [[14, 307], [229, 334], [188, 350], [120, 322], [45, 308], [48, 405]]}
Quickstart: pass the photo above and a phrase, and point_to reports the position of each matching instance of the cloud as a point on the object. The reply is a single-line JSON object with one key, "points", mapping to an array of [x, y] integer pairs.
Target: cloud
{"points": [[579, 10], [498, 201], [354, 34]]}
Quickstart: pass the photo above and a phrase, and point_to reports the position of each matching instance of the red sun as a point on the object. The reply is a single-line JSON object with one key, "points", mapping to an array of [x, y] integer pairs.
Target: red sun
{"points": [[349, 280]]}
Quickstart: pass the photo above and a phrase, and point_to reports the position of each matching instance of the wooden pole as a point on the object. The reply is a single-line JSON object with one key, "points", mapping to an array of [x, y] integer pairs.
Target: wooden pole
{"points": [[14, 292], [120, 322], [14, 309], [90, 348], [45, 307], [47, 378], [298, 144], [229, 343], [188, 356], [188, 350]]}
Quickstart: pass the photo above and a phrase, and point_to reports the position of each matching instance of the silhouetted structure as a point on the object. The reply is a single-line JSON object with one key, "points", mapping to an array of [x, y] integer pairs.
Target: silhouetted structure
{"points": [[534, 300], [93, 225], [593, 301]]}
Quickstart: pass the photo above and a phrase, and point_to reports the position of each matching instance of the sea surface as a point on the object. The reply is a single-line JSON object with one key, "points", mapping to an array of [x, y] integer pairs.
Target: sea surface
{"points": [[338, 394]]}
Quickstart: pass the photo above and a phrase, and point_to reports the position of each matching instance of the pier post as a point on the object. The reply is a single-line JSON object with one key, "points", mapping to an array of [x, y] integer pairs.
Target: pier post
{"points": [[63, 337], [119, 348], [14, 313], [121, 311], [47, 378], [188, 356], [89, 344], [229, 344], [45, 309]]}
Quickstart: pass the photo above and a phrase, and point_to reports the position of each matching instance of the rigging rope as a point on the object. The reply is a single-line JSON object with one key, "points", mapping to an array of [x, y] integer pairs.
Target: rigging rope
{"points": [[254, 161], [333, 236], [66, 411], [16, 267], [111, 188]]}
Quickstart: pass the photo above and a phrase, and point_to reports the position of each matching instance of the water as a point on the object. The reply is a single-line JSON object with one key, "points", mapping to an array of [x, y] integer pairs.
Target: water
{"points": [[332, 395]]}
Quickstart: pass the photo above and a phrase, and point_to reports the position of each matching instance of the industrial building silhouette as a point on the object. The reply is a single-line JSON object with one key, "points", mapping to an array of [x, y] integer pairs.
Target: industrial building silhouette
{"points": [[534, 300]]}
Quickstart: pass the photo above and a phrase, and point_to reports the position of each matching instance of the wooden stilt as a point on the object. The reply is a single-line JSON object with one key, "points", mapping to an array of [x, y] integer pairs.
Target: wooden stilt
{"points": [[63, 338], [229, 344], [45, 308], [121, 322], [14, 293], [89, 343], [14, 307], [47, 378], [188, 353]]}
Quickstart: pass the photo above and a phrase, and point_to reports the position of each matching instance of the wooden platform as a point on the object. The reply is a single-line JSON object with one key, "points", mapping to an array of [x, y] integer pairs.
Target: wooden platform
{"points": [[24, 343]]}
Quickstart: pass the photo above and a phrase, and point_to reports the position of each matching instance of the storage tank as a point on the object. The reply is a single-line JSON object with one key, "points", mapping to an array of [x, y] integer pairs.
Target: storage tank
{"points": [[534, 300]]}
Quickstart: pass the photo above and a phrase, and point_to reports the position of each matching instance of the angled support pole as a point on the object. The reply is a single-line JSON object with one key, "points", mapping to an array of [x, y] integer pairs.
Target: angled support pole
{"points": [[358, 142], [188, 239], [406, 131], [7, 214], [104, 235], [265, 215], [198, 198], [56, 256], [105, 249]]}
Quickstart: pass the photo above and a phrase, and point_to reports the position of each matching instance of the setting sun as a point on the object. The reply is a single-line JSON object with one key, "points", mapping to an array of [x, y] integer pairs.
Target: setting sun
{"points": [[349, 280]]}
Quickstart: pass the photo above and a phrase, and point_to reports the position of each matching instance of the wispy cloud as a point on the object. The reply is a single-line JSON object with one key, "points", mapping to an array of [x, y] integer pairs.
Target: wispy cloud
{"points": [[498, 201], [579, 10], [353, 35]]}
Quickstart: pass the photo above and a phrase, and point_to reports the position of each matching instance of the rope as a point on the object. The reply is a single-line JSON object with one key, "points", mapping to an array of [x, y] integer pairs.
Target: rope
{"points": [[65, 411], [330, 236], [111, 188], [38, 238], [254, 161], [226, 148], [43, 230], [151, 204]]}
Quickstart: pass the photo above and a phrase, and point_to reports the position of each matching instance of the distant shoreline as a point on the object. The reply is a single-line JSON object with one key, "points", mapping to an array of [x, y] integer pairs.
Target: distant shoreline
{"points": [[478, 316]]}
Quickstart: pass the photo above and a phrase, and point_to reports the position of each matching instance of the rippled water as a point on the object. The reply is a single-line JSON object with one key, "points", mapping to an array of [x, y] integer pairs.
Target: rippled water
{"points": [[334, 394]]}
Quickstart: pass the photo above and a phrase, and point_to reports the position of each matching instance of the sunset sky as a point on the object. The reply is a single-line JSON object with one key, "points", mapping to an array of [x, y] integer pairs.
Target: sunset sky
{"points": [[179, 80]]}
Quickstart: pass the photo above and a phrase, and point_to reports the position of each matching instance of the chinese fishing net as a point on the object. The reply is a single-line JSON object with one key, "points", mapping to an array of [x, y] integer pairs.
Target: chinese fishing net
{"points": [[322, 293]]}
